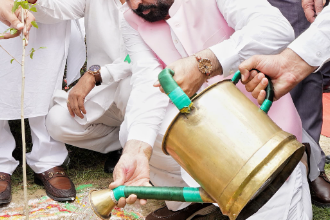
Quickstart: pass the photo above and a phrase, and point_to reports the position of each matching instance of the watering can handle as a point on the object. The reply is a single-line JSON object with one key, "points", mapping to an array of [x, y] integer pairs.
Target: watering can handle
{"points": [[269, 92], [174, 92], [183, 102]]}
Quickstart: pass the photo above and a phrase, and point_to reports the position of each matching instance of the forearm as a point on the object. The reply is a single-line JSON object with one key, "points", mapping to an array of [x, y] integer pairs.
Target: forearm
{"points": [[295, 65], [216, 66]]}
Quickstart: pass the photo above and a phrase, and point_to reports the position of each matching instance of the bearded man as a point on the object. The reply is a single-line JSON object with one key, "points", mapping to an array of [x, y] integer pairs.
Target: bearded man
{"points": [[177, 34]]}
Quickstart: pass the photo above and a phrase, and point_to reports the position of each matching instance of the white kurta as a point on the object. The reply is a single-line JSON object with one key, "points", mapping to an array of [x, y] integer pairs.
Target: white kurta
{"points": [[43, 73], [105, 47]]}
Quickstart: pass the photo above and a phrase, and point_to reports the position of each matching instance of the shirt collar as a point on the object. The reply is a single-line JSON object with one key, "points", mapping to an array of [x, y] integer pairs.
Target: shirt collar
{"points": [[175, 7]]}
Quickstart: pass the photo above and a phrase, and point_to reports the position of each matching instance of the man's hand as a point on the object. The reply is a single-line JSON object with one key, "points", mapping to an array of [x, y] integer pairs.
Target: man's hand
{"points": [[187, 74], [286, 70], [132, 169], [312, 8], [78, 94], [13, 20]]}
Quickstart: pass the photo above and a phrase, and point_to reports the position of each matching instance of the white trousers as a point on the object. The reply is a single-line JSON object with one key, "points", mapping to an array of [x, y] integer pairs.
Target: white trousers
{"points": [[99, 130], [291, 202], [46, 152]]}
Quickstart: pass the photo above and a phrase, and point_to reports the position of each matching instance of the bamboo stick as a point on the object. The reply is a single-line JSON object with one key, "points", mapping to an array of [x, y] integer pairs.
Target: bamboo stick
{"points": [[26, 209]]}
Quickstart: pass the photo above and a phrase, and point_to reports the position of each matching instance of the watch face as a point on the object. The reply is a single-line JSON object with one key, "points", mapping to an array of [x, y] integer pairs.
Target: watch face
{"points": [[205, 66], [95, 68]]}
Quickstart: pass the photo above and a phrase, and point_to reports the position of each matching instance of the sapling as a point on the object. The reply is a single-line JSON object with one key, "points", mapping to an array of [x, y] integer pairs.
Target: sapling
{"points": [[24, 6]]}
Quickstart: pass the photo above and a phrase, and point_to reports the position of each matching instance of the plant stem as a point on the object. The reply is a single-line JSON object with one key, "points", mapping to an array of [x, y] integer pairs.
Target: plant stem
{"points": [[22, 120], [10, 55]]}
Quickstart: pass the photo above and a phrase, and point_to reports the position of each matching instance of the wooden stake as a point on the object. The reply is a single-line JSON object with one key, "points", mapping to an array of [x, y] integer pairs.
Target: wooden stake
{"points": [[26, 209]]}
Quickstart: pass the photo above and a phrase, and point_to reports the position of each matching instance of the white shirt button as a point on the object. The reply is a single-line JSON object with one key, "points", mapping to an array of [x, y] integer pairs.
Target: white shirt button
{"points": [[319, 54], [175, 41]]}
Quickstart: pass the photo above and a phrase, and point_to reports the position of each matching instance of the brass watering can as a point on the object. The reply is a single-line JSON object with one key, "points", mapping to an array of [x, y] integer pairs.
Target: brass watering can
{"points": [[237, 154]]}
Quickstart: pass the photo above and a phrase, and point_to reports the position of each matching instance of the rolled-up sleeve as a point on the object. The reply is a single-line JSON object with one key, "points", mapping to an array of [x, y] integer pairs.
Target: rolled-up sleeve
{"points": [[147, 105], [259, 29], [50, 11], [313, 45]]}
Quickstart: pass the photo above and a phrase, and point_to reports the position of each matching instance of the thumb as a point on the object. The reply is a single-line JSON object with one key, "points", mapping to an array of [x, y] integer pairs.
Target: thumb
{"points": [[157, 84], [14, 21], [247, 66], [119, 178]]}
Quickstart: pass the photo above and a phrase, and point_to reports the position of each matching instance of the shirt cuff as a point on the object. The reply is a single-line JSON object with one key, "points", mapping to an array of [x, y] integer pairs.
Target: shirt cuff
{"points": [[142, 133], [228, 56], [105, 74], [312, 46]]}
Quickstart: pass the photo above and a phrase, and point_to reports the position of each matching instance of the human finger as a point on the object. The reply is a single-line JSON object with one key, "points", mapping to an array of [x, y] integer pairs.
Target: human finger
{"points": [[28, 25], [119, 177], [309, 11], [69, 108], [75, 107], [81, 105], [9, 35], [14, 21], [161, 89], [250, 86], [253, 74], [261, 86], [246, 67], [261, 97], [121, 203], [131, 199], [156, 84], [318, 5]]}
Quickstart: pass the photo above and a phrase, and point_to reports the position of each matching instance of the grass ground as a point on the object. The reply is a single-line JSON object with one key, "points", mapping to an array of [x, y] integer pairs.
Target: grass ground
{"points": [[87, 167]]}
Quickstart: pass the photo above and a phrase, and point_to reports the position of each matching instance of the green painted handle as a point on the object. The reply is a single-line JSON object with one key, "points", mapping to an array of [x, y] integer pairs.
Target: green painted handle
{"points": [[174, 92], [180, 194], [269, 92]]}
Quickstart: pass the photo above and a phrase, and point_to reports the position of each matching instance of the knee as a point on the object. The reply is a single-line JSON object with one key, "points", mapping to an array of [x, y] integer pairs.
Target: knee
{"points": [[56, 122]]}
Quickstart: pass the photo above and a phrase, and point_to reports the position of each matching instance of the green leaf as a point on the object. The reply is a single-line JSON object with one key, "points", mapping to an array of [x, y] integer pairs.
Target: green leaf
{"points": [[25, 5], [1, 36], [34, 9], [16, 5], [11, 61], [34, 24], [42, 47], [13, 31], [6, 31], [32, 52]]}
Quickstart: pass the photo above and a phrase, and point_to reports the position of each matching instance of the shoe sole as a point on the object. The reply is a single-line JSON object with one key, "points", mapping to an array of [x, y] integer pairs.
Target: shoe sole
{"points": [[204, 211], [39, 182], [5, 201], [319, 204]]}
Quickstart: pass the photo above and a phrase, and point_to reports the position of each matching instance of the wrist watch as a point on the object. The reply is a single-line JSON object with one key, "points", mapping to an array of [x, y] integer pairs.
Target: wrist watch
{"points": [[95, 71], [204, 65]]}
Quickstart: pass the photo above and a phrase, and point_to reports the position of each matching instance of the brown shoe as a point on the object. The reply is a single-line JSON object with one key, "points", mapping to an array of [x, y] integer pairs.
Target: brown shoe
{"points": [[57, 184], [187, 213], [320, 190], [5, 188]]}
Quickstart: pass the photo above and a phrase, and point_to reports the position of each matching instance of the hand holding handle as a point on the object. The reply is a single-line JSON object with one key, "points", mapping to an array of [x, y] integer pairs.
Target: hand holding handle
{"points": [[269, 92], [174, 92]]}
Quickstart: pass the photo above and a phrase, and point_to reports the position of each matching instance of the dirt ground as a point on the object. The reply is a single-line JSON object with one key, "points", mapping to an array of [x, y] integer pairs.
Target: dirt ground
{"points": [[38, 193]]}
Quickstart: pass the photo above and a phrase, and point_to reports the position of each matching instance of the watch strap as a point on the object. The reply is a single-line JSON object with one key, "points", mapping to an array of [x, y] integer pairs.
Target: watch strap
{"points": [[97, 77]]}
